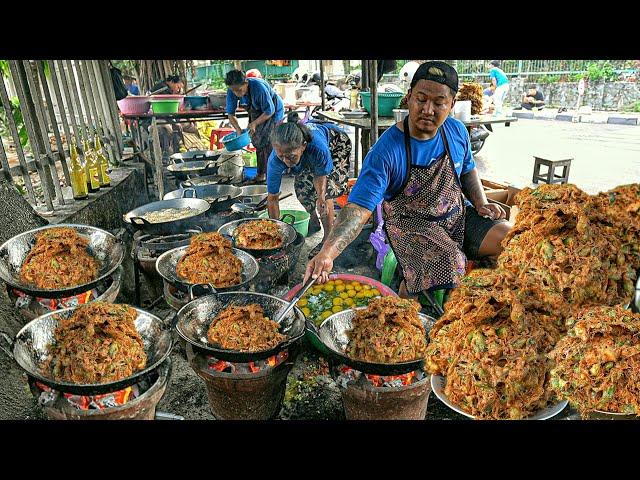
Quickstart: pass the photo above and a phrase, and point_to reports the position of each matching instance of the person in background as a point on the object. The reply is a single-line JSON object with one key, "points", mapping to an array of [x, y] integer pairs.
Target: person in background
{"points": [[533, 99], [500, 82], [318, 154], [487, 100], [266, 110], [130, 83], [170, 133], [254, 73], [435, 209]]}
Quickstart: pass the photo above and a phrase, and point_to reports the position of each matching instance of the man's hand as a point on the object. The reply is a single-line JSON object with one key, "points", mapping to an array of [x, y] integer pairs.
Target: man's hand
{"points": [[252, 128], [319, 267], [492, 210]]}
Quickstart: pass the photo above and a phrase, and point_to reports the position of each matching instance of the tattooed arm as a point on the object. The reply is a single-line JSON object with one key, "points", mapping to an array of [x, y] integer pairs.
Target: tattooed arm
{"points": [[347, 227], [472, 189]]}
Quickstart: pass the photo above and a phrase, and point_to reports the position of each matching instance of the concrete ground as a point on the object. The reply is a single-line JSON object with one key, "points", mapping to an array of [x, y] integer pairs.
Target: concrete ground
{"points": [[604, 155]]}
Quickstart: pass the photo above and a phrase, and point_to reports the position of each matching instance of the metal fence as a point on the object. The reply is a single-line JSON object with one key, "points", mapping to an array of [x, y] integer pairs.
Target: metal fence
{"points": [[73, 98], [479, 69]]}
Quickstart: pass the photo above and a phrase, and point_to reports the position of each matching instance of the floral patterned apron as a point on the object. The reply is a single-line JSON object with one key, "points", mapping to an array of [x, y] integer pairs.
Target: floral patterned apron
{"points": [[425, 223]]}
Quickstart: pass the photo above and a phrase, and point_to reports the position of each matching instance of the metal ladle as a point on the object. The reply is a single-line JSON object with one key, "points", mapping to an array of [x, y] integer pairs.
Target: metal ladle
{"points": [[294, 300]]}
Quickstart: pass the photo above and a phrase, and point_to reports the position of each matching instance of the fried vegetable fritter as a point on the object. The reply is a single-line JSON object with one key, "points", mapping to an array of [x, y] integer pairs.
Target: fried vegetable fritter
{"points": [[258, 234], [245, 329], [99, 343], [59, 259], [209, 259], [388, 330]]}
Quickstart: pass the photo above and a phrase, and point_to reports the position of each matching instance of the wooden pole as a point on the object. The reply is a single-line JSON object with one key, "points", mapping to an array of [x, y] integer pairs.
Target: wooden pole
{"points": [[322, 84], [4, 98], [54, 121], [373, 87], [33, 138], [40, 128]]}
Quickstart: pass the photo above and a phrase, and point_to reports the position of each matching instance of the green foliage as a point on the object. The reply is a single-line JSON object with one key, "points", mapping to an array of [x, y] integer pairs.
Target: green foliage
{"points": [[634, 108], [601, 71], [4, 68], [19, 121], [548, 79], [576, 77], [128, 67]]}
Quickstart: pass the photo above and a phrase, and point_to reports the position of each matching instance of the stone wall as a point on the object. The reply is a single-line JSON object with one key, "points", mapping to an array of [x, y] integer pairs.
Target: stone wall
{"points": [[613, 96]]}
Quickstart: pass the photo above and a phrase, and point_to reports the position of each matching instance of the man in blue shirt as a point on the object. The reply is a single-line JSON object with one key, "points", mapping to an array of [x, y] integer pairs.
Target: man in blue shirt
{"points": [[266, 110], [501, 84], [132, 87], [435, 209]]}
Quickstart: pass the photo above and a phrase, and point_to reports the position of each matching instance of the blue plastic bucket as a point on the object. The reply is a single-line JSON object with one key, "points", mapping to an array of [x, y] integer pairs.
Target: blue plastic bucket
{"points": [[250, 172], [233, 141]]}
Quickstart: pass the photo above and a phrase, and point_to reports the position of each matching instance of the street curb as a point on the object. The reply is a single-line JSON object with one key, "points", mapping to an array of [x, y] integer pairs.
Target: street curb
{"points": [[567, 117], [622, 121]]}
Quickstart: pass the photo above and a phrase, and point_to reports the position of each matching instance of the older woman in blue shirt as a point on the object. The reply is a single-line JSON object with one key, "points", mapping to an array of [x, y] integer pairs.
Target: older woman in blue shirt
{"points": [[265, 108], [318, 154]]}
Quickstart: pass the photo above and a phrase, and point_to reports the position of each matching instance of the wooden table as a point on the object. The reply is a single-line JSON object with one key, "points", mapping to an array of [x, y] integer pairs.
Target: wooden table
{"points": [[154, 159], [364, 125]]}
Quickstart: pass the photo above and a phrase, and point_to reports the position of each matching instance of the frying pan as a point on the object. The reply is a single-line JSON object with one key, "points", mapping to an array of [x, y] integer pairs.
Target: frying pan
{"points": [[220, 197], [199, 207], [167, 262], [103, 246], [31, 347], [286, 229], [333, 335], [196, 316]]}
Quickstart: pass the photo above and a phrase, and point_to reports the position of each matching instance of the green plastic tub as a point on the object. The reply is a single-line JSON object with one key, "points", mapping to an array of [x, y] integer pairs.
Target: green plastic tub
{"points": [[301, 223], [165, 106], [387, 101]]}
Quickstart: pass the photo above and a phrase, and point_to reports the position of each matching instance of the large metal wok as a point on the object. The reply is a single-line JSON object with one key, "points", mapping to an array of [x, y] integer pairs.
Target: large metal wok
{"points": [[201, 181], [167, 262], [220, 197], [200, 167], [333, 335], [103, 246], [30, 349], [198, 206], [286, 229], [195, 318], [195, 155]]}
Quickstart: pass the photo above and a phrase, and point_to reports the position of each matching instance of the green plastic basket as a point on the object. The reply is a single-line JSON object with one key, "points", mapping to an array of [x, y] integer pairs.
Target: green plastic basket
{"points": [[387, 101], [301, 223], [165, 106]]}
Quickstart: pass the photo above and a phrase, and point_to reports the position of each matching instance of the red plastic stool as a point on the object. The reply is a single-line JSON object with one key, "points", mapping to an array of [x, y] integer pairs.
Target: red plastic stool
{"points": [[216, 136]]}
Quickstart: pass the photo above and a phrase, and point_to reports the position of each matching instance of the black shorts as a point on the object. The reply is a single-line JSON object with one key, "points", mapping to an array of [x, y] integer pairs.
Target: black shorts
{"points": [[475, 229]]}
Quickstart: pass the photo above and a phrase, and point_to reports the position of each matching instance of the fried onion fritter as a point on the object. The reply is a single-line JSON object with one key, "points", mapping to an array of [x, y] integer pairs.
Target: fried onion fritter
{"points": [[59, 259], [245, 329]]}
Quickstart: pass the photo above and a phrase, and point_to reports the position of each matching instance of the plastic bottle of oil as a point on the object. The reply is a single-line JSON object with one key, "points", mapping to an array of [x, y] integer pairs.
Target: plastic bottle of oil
{"points": [[103, 163], [78, 175], [91, 168]]}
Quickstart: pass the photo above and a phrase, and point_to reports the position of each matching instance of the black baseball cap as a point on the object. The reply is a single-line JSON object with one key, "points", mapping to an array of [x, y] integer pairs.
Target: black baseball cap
{"points": [[440, 72]]}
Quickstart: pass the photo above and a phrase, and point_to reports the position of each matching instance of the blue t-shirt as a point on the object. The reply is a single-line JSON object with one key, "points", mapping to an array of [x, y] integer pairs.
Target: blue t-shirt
{"points": [[263, 98], [385, 166], [133, 89], [316, 158], [499, 75]]}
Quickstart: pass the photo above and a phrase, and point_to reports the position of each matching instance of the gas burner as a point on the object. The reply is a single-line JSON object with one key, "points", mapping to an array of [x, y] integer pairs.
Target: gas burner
{"points": [[375, 397], [244, 391], [31, 307], [137, 402]]}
